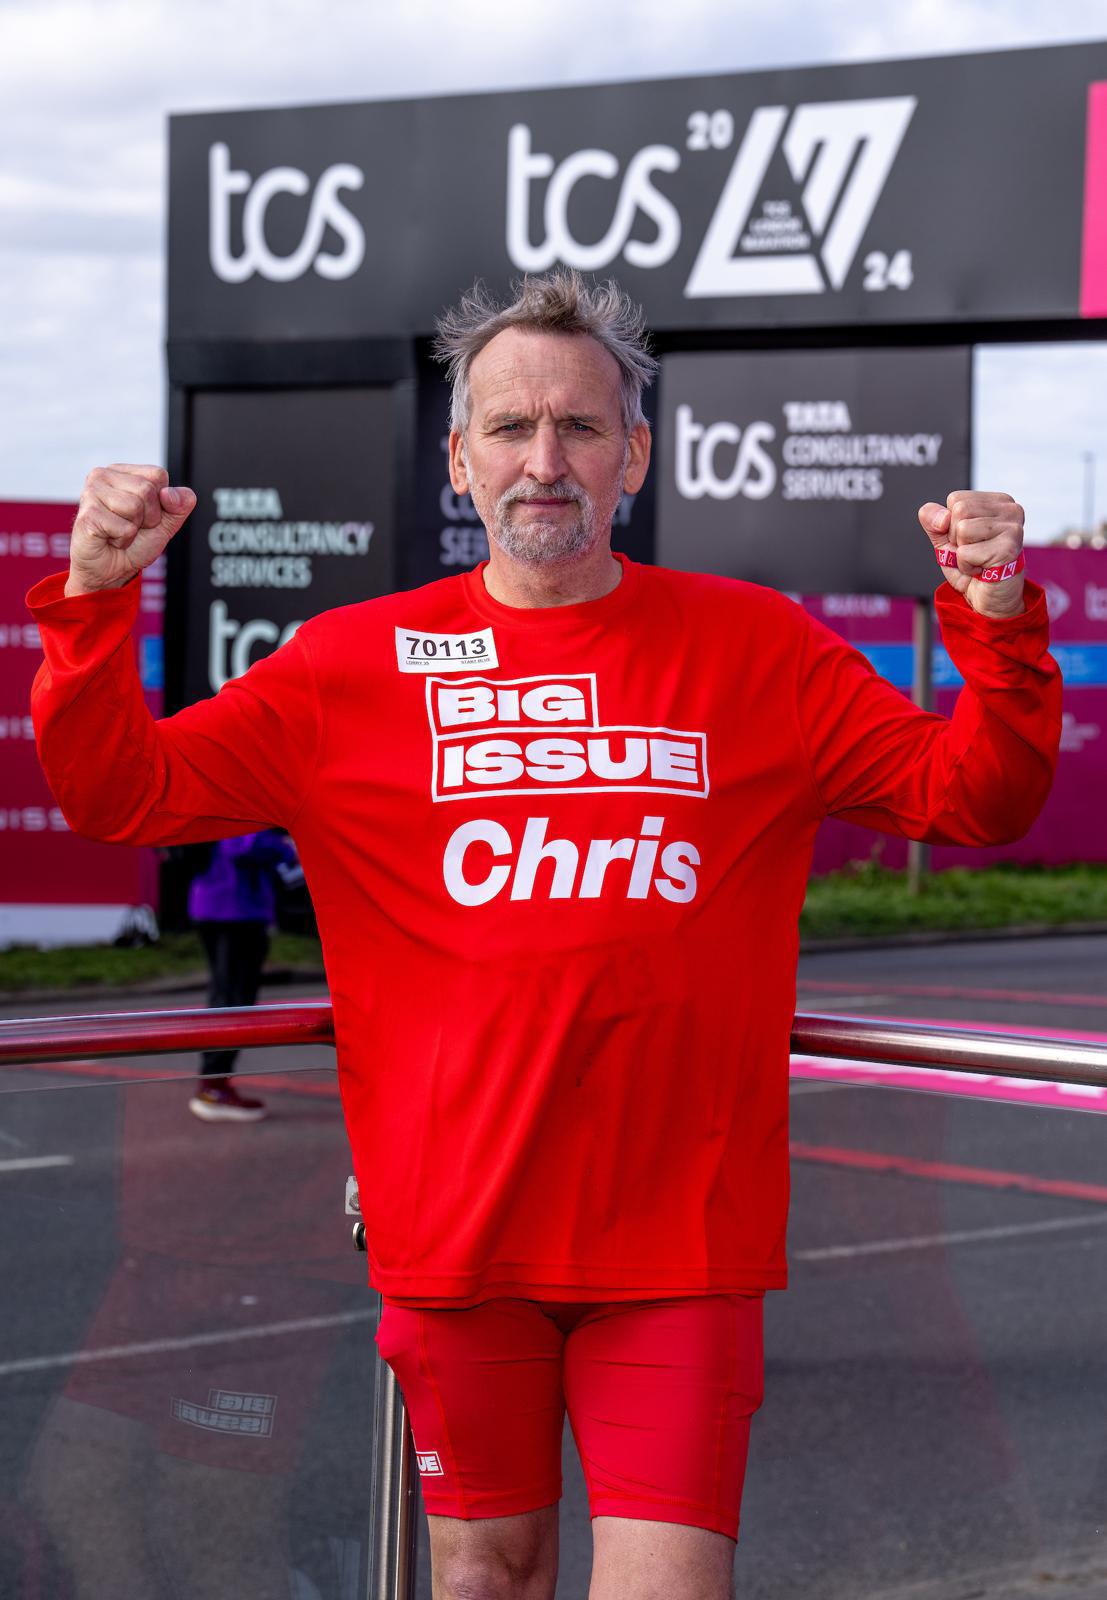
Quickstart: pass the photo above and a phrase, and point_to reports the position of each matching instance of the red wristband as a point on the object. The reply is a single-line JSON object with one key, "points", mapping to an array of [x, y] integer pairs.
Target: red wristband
{"points": [[948, 558]]}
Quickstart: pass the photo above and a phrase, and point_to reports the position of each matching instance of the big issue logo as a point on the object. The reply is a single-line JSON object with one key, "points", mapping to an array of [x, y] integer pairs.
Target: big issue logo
{"points": [[838, 154], [325, 209], [543, 736]]}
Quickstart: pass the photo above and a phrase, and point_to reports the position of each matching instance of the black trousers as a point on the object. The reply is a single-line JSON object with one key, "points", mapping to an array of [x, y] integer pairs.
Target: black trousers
{"points": [[236, 953]]}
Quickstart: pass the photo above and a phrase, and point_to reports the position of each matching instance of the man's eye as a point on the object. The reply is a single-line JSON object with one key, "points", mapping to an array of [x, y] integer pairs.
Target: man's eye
{"points": [[580, 427]]}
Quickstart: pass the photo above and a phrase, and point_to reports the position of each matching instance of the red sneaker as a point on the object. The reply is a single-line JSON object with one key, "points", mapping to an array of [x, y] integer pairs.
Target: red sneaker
{"points": [[217, 1100]]}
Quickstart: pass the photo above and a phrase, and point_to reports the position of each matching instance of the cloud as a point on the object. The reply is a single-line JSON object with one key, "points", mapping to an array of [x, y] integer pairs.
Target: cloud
{"points": [[86, 87], [83, 378], [1039, 412]]}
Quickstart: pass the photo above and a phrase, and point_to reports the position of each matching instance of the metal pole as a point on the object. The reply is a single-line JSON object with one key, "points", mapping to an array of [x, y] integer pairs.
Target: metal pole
{"points": [[39, 1039], [1089, 492], [922, 694], [392, 1502], [25, 1040], [921, 1044]]}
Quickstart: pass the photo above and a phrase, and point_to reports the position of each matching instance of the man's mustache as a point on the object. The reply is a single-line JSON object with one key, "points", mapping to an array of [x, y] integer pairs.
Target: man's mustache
{"points": [[561, 490]]}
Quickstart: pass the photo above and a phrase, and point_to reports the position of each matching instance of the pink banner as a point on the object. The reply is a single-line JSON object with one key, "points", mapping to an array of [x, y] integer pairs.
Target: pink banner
{"points": [[57, 888], [1093, 266], [1070, 827]]}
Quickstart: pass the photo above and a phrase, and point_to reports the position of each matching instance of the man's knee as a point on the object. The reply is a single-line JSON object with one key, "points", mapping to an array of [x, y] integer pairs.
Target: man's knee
{"points": [[495, 1558], [488, 1577]]}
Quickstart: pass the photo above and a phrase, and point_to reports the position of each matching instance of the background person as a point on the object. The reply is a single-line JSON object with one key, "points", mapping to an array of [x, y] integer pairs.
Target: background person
{"points": [[233, 904]]}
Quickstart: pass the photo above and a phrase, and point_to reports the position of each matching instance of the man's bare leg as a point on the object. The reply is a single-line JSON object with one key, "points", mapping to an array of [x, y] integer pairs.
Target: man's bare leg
{"points": [[494, 1558], [638, 1560]]}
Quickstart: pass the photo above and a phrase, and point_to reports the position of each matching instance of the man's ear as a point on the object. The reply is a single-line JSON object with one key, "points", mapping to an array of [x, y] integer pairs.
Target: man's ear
{"points": [[459, 478], [639, 444]]}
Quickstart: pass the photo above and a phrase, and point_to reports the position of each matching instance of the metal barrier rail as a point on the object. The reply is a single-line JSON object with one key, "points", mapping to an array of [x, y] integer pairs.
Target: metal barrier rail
{"points": [[26, 1040], [908, 1044], [31, 1041]]}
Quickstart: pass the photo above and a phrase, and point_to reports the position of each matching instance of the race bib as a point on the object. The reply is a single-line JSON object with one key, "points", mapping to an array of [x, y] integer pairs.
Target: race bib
{"points": [[444, 652]]}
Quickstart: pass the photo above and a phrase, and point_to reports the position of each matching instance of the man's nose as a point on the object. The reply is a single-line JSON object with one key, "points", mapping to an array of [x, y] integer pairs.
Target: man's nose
{"points": [[546, 459]]}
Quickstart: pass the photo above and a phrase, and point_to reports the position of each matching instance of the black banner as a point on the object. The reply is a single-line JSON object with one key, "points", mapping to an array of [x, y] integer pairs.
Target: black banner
{"points": [[805, 471], [945, 189], [295, 515]]}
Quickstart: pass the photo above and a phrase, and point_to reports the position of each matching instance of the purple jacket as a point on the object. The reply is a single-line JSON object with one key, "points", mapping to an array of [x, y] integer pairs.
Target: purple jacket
{"points": [[240, 884]]}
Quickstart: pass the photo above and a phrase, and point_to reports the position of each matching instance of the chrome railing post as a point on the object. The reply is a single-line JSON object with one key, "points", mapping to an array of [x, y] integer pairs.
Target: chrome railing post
{"points": [[393, 1494]]}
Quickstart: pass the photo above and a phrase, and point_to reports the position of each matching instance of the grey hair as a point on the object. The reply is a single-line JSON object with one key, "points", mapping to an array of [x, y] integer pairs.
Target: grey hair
{"points": [[558, 302]]}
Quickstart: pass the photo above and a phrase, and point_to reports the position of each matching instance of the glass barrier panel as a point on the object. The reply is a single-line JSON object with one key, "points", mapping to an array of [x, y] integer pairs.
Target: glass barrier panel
{"points": [[936, 1373], [186, 1354], [186, 1358]]}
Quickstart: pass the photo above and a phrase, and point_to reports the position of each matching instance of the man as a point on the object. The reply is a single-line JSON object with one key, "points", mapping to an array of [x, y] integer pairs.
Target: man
{"points": [[556, 816]]}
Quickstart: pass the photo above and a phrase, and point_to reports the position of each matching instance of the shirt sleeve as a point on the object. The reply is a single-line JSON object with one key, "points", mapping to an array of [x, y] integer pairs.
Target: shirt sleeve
{"points": [[979, 777], [233, 764]]}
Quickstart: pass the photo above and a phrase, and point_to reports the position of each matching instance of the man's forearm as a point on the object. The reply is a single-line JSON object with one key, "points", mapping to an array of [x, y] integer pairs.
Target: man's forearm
{"points": [[229, 765]]}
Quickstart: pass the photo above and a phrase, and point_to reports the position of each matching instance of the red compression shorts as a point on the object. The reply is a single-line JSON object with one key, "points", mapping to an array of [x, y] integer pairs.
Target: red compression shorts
{"points": [[659, 1393]]}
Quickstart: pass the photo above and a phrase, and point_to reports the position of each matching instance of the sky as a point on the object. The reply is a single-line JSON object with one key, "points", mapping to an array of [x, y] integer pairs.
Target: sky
{"points": [[86, 87]]}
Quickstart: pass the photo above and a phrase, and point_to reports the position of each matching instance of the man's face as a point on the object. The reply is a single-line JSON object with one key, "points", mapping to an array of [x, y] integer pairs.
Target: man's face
{"points": [[545, 457]]}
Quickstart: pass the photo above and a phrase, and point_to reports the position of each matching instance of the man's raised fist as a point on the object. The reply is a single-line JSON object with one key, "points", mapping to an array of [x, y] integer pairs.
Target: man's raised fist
{"points": [[126, 517], [977, 539]]}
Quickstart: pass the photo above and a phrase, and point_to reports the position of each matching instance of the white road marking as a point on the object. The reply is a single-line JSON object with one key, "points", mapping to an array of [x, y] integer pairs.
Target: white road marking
{"points": [[32, 1163], [856, 1001], [121, 1352], [927, 1241], [812, 1086], [10, 1139]]}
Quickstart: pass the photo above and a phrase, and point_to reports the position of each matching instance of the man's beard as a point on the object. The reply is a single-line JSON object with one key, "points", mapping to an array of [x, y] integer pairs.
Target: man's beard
{"points": [[540, 541]]}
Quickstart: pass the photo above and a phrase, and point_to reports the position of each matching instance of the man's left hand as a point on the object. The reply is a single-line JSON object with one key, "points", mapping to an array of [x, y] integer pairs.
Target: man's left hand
{"points": [[981, 530]]}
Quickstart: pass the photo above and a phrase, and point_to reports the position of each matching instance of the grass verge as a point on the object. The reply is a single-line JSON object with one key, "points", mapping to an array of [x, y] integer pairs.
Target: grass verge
{"points": [[176, 955], [863, 902], [869, 901]]}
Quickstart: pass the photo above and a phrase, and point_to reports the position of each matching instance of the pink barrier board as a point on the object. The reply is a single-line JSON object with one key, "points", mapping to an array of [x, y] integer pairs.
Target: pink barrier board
{"points": [[57, 888], [1070, 827]]}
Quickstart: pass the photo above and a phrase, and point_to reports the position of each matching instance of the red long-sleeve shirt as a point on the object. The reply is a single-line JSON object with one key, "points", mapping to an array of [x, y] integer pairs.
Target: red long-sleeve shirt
{"points": [[558, 894]]}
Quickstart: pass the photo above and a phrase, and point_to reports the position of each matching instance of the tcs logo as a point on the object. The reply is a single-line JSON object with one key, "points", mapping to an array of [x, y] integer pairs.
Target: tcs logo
{"points": [[231, 643], [636, 193], [704, 464], [325, 209]]}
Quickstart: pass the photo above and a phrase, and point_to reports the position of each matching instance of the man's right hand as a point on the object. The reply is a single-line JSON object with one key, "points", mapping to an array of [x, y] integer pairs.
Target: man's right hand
{"points": [[126, 517]]}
